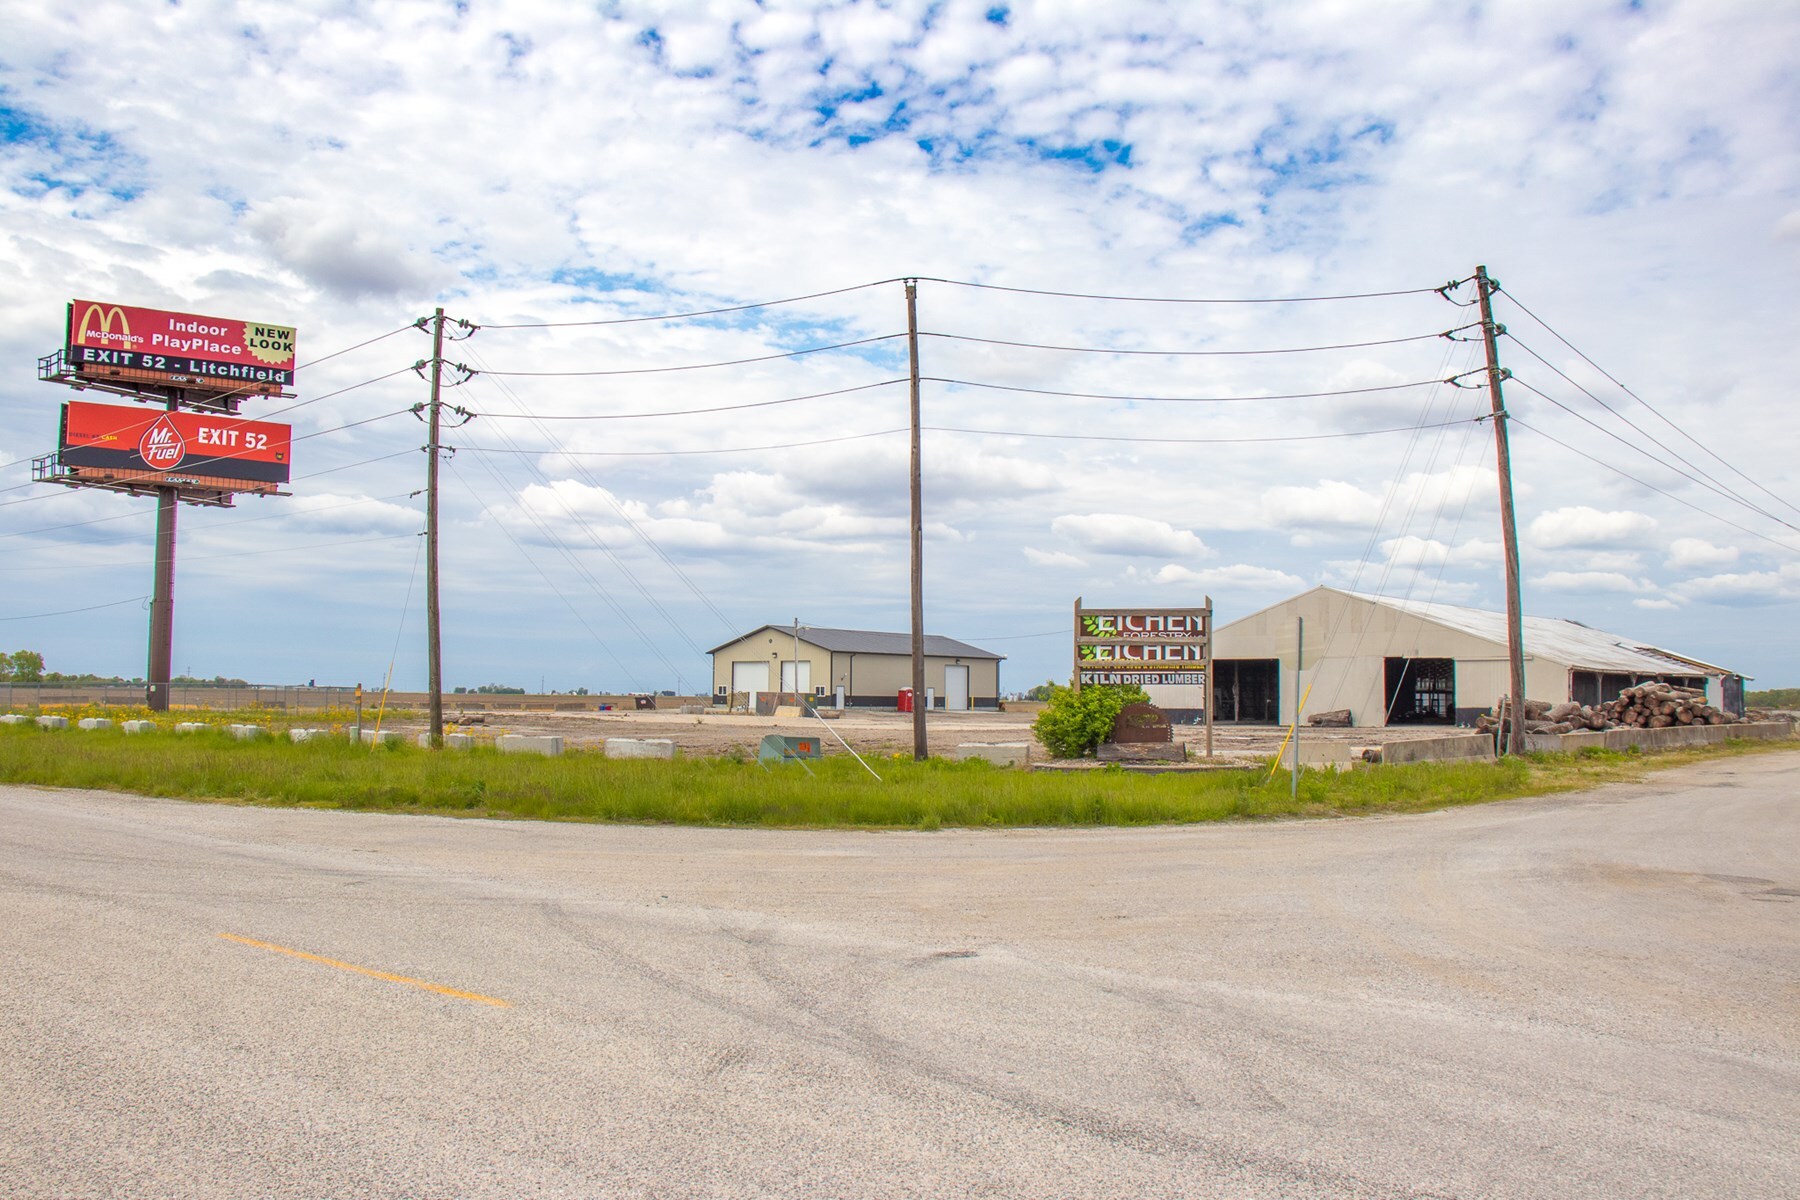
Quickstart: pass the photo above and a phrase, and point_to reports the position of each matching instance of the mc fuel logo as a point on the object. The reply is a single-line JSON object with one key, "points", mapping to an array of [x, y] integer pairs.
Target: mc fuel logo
{"points": [[162, 447]]}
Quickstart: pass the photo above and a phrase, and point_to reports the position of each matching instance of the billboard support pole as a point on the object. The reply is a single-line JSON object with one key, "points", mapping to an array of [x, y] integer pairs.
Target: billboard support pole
{"points": [[162, 604], [434, 643]]}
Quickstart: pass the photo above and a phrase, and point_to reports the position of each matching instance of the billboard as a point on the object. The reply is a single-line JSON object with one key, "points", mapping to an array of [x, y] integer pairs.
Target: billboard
{"points": [[222, 350], [154, 446], [1143, 646]]}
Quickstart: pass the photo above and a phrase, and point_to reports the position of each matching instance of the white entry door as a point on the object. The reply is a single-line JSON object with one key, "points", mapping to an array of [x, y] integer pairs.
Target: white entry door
{"points": [[749, 676], [787, 676], [956, 688]]}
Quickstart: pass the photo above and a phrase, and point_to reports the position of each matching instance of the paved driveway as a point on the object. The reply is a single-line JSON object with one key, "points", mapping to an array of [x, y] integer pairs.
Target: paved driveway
{"points": [[1596, 995]]}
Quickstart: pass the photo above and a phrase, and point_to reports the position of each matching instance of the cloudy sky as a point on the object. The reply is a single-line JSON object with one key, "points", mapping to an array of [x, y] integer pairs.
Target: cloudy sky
{"points": [[1630, 172]]}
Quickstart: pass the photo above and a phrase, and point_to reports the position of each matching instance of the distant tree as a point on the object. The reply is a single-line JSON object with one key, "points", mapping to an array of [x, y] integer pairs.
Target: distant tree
{"points": [[22, 666], [499, 689], [1774, 698], [1042, 691]]}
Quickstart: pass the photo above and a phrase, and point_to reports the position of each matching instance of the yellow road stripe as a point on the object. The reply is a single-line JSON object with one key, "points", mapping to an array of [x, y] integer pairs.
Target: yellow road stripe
{"points": [[439, 988]]}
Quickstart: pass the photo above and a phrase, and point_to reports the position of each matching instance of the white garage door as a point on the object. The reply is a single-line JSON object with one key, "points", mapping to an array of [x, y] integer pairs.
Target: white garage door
{"points": [[956, 688], [749, 676]]}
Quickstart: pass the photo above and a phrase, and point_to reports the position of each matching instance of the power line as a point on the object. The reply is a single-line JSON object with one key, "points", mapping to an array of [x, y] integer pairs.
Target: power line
{"points": [[685, 412], [631, 524], [487, 511], [1707, 483], [191, 558], [1002, 387], [1303, 437], [231, 524], [1659, 491], [365, 462], [1665, 420], [69, 611], [851, 437], [1421, 337], [682, 316], [994, 287], [738, 362], [1700, 475]]}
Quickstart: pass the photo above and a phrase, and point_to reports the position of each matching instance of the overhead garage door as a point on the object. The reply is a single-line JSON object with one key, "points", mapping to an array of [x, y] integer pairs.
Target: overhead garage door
{"points": [[749, 676]]}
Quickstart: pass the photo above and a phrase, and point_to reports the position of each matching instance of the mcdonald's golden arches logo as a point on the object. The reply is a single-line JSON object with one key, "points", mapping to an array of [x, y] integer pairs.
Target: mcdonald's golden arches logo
{"points": [[109, 315]]}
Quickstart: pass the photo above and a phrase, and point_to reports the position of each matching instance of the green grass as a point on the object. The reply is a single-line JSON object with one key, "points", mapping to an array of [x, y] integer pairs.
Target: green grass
{"points": [[704, 791]]}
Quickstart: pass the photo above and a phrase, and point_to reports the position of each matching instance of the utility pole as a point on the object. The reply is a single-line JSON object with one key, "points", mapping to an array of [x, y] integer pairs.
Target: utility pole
{"points": [[1514, 729], [920, 750], [434, 646]]}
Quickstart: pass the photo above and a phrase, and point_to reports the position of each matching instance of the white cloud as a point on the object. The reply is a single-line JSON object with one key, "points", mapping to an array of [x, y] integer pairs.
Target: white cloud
{"points": [[1589, 581], [1238, 576], [1051, 558], [1659, 604], [1750, 587], [1687, 553], [1122, 534], [1579, 525]]}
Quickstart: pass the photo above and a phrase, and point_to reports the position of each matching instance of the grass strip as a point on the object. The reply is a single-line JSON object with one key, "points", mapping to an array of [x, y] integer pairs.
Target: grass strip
{"points": [[211, 766]]}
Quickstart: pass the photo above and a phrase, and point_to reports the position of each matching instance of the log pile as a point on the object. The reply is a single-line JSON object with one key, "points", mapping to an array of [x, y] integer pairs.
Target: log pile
{"points": [[1646, 706]]}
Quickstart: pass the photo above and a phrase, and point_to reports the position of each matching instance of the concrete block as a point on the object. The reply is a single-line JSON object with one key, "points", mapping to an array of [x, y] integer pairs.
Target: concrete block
{"points": [[377, 737], [1758, 731], [138, 726], [1141, 752], [692, 710], [93, 723], [247, 733], [53, 722], [459, 741], [15, 719], [308, 735], [1003, 754], [191, 727], [640, 748], [1323, 754], [518, 743], [1441, 749]]}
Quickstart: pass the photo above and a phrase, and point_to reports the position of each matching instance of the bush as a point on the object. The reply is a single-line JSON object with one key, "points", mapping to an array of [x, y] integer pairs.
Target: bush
{"points": [[1074, 723]]}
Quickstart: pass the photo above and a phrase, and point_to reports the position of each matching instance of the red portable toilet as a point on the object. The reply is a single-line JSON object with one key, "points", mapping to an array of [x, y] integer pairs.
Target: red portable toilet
{"points": [[904, 700]]}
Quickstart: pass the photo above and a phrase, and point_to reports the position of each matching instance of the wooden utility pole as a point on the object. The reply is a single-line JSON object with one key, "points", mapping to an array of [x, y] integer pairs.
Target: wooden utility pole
{"points": [[920, 749], [1514, 728], [1210, 692], [434, 643]]}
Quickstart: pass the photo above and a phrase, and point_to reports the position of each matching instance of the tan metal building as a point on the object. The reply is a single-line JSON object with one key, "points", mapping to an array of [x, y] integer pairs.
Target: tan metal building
{"points": [[868, 666], [1408, 662]]}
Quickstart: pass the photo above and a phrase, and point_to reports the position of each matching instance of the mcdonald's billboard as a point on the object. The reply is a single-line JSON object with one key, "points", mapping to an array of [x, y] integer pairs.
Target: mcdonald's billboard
{"points": [[218, 349], [160, 447]]}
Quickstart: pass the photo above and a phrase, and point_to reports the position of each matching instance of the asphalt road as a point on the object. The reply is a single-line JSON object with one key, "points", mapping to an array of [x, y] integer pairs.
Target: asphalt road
{"points": [[1595, 995]]}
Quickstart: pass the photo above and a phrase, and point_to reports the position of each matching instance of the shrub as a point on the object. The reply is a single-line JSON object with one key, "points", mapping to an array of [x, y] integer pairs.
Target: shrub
{"points": [[1074, 723]]}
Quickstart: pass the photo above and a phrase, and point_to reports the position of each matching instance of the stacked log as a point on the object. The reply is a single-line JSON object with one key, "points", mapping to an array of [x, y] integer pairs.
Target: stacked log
{"points": [[1646, 706]]}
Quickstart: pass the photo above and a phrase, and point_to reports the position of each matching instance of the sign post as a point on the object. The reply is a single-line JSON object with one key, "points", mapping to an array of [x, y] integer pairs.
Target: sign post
{"points": [[1146, 647]]}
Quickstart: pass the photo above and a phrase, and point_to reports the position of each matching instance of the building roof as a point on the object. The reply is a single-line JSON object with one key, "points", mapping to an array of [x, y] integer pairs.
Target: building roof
{"points": [[1568, 642], [869, 641]]}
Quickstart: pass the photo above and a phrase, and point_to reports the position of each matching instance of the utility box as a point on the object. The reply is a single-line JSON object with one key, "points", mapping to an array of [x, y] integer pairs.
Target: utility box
{"points": [[781, 747]]}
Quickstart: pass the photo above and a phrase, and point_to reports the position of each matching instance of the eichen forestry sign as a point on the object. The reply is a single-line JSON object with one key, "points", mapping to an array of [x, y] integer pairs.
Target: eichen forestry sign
{"points": [[1142, 645]]}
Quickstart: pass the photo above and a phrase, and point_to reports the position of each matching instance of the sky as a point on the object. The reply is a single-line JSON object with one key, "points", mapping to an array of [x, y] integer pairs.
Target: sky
{"points": [[551, 172]]}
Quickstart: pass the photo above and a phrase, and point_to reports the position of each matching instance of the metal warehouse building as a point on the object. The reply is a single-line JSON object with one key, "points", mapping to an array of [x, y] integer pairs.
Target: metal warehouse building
{"points": [[1407, 662], [868, 667]]}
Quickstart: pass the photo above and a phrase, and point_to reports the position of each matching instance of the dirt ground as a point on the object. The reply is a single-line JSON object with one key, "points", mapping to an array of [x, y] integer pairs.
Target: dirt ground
{"points": [[874, 732]]}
